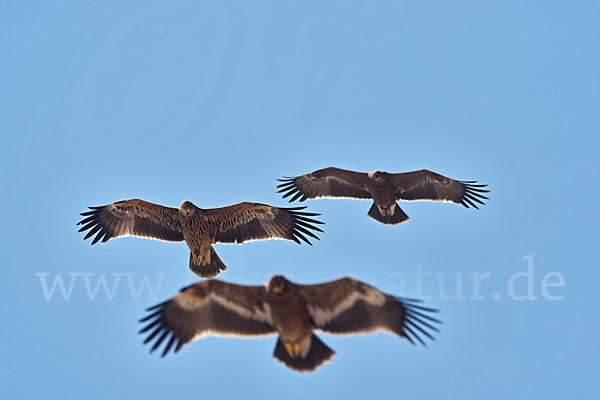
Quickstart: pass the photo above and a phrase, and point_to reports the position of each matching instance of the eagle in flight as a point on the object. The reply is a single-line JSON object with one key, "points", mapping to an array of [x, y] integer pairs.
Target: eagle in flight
{"points": [[384, 189], [198, 227], [294, 312]]}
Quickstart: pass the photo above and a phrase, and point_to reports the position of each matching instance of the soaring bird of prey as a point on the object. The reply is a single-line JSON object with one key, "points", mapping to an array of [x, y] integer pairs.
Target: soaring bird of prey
{"points": [[384, 188], [295, 312], [198, 227]]}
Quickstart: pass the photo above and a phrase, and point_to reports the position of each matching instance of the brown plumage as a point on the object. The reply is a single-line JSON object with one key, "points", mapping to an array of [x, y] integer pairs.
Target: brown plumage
{"points": [[384, 189], [295, 312], [198, 227]]}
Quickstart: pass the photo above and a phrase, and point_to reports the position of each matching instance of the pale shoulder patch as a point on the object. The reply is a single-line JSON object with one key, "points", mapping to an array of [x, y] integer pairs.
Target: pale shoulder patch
{"points": [[322, 315], [190, 301]]}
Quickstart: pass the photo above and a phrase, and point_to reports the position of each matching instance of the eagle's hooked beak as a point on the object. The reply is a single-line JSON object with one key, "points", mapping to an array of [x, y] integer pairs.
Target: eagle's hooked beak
{"points": [[277, 289]]}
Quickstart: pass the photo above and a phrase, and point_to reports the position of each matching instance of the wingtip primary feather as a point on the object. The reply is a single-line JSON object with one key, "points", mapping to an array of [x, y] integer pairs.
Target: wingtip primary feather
{"points": [[418, 317], [150, 325], [473, 194], [466, 199], [289, 194], [417, 322], [169, 345], [153, 334], [298, 208], [423, 331], [154, 307], [151, 315], [160, 340], [298, 234], [414, 336], [87, 226], [306, 232]]}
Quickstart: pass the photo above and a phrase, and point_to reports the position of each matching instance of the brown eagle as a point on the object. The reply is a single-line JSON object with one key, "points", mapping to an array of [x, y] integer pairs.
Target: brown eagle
{"points": [[384, 188], [345, 306], [198, 227]]}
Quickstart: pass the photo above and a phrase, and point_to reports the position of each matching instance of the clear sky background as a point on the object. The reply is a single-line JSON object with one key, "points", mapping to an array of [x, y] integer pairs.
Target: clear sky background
{"points": [[212, 101]]}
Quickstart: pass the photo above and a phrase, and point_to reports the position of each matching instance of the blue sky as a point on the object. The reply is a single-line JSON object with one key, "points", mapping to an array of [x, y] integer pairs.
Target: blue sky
{"points": [[212, 101]]}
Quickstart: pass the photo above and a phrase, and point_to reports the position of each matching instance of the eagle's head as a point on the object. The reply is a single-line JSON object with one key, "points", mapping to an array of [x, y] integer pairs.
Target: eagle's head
{"points": [[278, 286], [187, 208], [378, 176]]}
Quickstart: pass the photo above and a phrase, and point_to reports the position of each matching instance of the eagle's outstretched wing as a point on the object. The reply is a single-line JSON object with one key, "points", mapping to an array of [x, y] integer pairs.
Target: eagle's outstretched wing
{"points": [[348, 306], [427, 185], [327, 182], [132, 218], [207, 308], [244, 222]]}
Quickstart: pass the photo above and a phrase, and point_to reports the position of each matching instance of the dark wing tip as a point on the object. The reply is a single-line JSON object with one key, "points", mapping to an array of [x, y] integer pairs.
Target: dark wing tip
{"points": [[468, 201], [303, 225], [286, 179], [297, 234], [159, 331], [412, 336], [91, 223], [89, 214], [299, 214], [418, 323], [473, 185], [294, 208], [473, 194], [289, 188], [154, 307], [408, 300]]}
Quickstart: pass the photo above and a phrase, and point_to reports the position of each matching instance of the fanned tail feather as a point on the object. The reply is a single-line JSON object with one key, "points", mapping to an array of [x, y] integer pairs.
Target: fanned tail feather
{"points": [[209, 270], [317, 355], [397, 218]]}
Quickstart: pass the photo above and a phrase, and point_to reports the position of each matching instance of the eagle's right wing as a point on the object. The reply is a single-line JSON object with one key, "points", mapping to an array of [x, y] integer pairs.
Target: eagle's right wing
{"points": [[132, 218], [327, 182], [208, 308]]}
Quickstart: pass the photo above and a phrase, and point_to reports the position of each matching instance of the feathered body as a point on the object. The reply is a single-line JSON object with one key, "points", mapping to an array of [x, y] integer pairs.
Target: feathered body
{"points": [[199, 228], [384, 189], [294, 312]]}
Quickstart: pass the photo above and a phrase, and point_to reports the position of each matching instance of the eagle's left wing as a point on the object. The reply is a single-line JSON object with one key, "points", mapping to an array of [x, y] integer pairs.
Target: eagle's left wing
{"points": [[244, 222], [427, 185], [348, 306], [208, 308]]}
